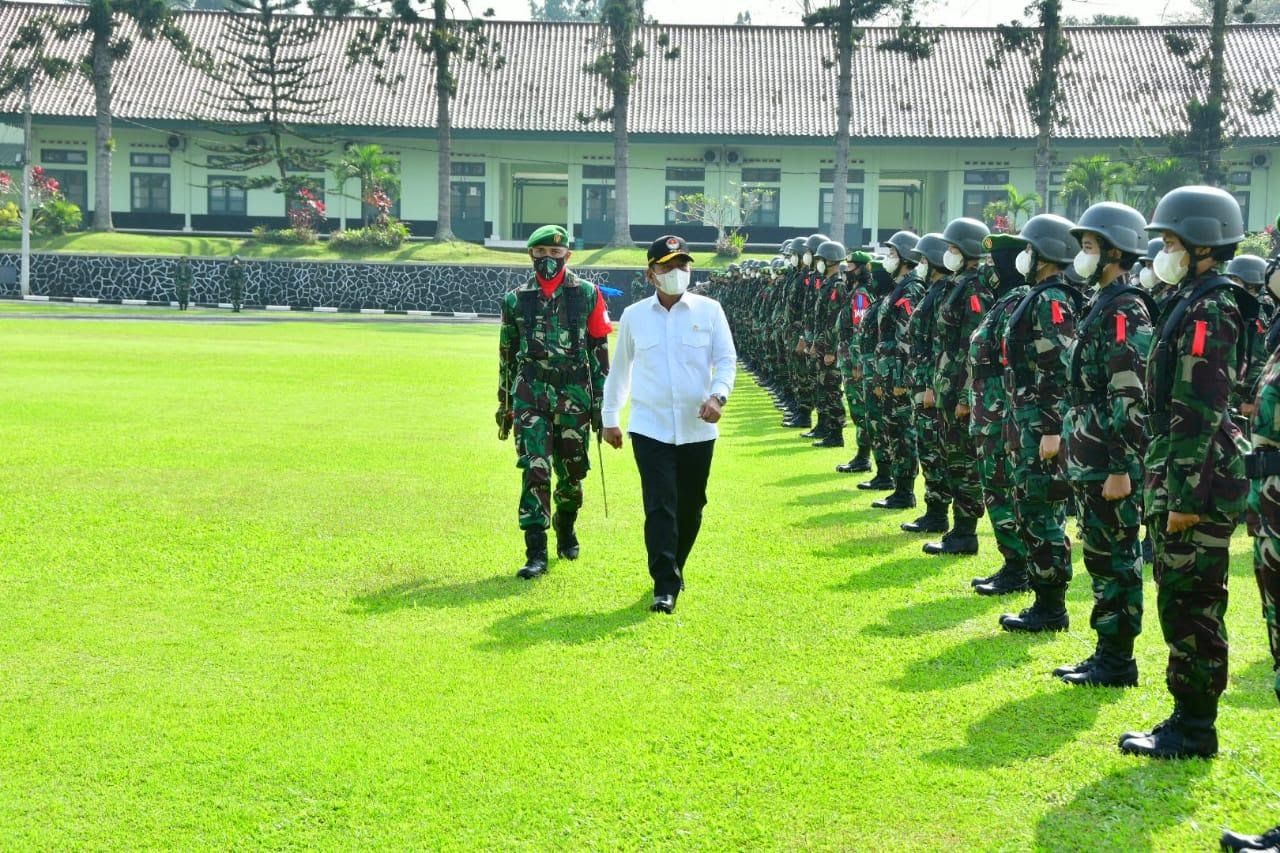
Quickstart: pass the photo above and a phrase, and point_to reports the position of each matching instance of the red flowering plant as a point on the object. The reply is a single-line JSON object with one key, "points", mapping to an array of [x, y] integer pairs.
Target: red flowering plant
{"points": [[378, 199], [306, 212], [1002, 225], [6, 184]]}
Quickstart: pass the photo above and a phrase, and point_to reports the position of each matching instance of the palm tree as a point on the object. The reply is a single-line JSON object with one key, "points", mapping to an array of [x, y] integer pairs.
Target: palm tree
{"points": [[373, 169], [1096, 178], [1153, 178], [1012, 206]]}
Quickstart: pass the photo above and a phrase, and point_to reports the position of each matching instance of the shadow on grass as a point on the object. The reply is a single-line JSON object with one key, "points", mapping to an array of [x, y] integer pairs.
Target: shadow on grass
{"points": [[810, 480], [1127, 808], [858, 514], [1253, 687], [425, 593], [894, 574], [969, 662], [1034, 727], [821, 498], [927, 616], [528, 629]]}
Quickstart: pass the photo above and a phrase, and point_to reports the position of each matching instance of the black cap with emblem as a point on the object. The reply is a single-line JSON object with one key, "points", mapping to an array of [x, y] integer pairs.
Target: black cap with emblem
{"points": [[667, 248]]}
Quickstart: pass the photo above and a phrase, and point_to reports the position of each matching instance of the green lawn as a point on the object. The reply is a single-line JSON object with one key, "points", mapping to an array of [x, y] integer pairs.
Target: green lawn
{"points": [[259, 592], [122, 243]]}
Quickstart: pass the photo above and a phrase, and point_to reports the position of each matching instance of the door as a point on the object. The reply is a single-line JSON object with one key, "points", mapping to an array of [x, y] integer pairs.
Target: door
{"points": [[901, 207], [537, 202], [468, 210], [597, 214]]}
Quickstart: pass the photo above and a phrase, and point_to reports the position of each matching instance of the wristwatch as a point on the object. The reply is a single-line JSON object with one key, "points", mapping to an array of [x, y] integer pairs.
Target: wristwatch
{"points": [[721, 399]]}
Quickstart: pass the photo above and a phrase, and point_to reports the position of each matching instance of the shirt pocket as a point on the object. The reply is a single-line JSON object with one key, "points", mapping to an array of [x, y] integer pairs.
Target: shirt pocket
{"points": [[700, 338], [646, 341]]}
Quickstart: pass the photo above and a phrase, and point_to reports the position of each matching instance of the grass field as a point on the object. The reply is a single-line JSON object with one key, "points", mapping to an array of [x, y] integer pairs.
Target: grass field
{"points": [[258, 591], [123, 243]]}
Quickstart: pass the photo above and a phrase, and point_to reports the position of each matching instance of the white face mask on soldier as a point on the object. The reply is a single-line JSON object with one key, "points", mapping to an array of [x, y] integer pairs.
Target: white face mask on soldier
{"points": [[673, 282], [1168, 266], [953, 260], [1086, 264], [821, 267], [890, 264], [1023, 261], [1147, 278], [793, 261], [808, 258]]}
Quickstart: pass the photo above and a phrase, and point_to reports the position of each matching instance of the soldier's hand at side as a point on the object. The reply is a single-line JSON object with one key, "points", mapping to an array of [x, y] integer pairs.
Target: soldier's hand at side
{"points": [[929, 399], [857, 374], [1248, 409], [879, 392], [899, 391], [612, 437], [1180, 521], [1116, 487], [828, 359], [1049, 446], [962, 411], [801, 346]]}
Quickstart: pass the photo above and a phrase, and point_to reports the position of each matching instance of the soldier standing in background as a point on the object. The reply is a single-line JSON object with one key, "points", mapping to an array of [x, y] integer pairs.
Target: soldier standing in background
{"points": [[830, 302], [893, 348]]}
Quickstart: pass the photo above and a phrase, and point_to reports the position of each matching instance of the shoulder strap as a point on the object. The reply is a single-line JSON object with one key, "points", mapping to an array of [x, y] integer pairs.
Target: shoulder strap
{"points": [[574, 301], [1020, 313], [1096, 313]]}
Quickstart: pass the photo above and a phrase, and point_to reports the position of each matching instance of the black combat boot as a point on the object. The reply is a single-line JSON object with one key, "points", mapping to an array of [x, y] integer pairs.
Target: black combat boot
{"points": [[859, 463], [833, 438], [801, 417], [989, 578], [1188, 733], [566, 538], [1269, 840], [1068, 668], [1008, 580], [535, 552], [1112, 665], [1047, 613], [881, 482], [903, 497], [1148, 551], [934, 520], [961, 541], [818, 431]]}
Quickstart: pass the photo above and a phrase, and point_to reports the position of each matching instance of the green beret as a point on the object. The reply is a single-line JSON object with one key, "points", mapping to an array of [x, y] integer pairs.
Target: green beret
{"points": [[1002, 241], [548, 235], [861, 257]]}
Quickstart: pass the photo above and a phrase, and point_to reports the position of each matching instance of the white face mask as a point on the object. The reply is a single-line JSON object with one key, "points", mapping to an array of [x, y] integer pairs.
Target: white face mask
{"points": [[890, 264], [793, 261], [953, 260], [1086, 264], [821, 267], [808, 258], [1147, 278], [1168, 266], [1023, 261], [673, 283]]}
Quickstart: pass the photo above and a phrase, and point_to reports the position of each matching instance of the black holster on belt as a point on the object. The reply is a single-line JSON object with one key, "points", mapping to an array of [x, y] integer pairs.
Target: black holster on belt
{"points": [[1261, 463]]}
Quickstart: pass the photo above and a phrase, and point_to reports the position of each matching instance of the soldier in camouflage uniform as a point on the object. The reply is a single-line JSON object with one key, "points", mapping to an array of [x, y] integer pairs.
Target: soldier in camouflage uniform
{"points": [[849, 331], [1195, 485], [989, 408], [1104, 437], [1040, 329], [782, 325], [827, 308], [958, 318], [893, 348], [929, 252], [811, 362], [866, 342], [1249, 272], [553, 356], [800, 314]]}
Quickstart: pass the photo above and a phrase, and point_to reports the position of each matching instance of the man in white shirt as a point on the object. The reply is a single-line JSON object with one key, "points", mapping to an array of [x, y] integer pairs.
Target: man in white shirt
{"points": [[675, 359]]}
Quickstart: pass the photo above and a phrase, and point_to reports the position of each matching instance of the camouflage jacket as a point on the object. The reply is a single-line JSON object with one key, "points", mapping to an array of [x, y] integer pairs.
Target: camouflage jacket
{"points": [[1259, 355], [810, 287], [856, 307], [958, 318], [923, 332], [1105, 427], [1039, 331], [988, 399], [893, 347], [1264, 492], [869, 337], [553, 367], [827, 309], [1194, 461]]}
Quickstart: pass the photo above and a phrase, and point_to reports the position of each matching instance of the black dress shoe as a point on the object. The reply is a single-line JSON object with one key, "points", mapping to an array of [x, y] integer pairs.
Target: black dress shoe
{"points": [[663, 604], [1269, 840]]}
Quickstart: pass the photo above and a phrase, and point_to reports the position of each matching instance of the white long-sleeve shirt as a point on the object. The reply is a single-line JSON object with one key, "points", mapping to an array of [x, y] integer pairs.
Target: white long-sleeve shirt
{"points": [[670, 362]]}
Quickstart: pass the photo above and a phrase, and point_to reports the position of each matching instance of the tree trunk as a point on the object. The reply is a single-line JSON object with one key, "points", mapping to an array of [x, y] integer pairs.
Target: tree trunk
{"points": [[1215, 140], [101, 76], [844, 113], [1052, 52], [444, 129], [621, 156]]}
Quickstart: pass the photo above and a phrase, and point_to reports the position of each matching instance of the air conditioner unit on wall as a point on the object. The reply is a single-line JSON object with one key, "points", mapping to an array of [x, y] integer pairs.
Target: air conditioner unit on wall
{"points": [[710, 156], [176, 142], [255, 142], [733, 158], [1260, 160]]}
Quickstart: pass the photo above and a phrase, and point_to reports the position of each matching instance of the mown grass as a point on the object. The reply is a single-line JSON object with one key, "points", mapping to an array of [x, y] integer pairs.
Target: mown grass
{"points": [[123, 243], [258, 592]]}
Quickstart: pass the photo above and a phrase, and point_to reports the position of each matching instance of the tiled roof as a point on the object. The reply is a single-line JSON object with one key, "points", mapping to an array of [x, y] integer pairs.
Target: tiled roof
{"points": [[729, 82]]}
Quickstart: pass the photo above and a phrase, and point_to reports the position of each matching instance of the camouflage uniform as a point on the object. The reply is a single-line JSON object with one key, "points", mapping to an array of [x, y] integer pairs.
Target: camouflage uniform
{"points": [[868, 339], [893, 348], [1264, 505], [827, 309], [853, 328], [551, 376], [929, 447], [1104, 434], [958, 317]]}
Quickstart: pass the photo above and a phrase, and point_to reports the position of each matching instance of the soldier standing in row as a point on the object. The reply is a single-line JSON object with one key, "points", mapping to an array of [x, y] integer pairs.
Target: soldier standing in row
{"points": [[1195, 486], [553, 357], [1104, 434], [830, 302], [893, 347]]}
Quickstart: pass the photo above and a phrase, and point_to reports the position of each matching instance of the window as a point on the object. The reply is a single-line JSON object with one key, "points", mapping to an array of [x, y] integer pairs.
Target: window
{"points": [[598, 203], [976, 201], [63, 155], [686, 175], [149, 192], [767, 213], [1243, 199], [980, 177], [597, 173], [762, 176], [852, 211], [856, 176], [74, 185], [227, 196], [466, 169], [149, 161], [673, 196], [1240, 178]]}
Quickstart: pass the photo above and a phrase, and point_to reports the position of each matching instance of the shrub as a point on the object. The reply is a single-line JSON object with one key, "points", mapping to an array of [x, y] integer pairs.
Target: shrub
{"points": [[1258, 243], [56, 216], [284, 236], [731, 246], [10, 215], [389, 236]]}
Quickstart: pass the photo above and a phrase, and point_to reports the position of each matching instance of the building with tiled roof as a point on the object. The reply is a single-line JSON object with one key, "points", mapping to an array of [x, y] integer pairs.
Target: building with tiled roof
{"points": [[742, 105]]}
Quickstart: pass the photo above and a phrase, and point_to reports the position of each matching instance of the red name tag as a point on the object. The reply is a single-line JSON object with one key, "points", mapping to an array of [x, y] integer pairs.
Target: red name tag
{"points": [[974, 305], [905, 304], [1122, 329], [1198, 340], [1056, 309]]}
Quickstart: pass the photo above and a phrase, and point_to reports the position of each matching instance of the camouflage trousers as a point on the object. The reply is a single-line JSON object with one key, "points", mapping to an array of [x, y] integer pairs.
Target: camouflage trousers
{"points": [[1266, 567], [997, 498], [856, 400], [1109, 535], [544, 445], [877, 426], [1040, 495], [802, 380], [831, 395], [900, 438], [930, 452], [961, 454], [1191, 571]]}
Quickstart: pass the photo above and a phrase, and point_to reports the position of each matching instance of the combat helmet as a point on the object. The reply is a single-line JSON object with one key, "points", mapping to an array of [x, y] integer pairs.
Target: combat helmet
{"points": [[1051, 238], [1120, 225], [1250, 269], [931, 248], [1200, 216], [904, 243], [967, 236]]}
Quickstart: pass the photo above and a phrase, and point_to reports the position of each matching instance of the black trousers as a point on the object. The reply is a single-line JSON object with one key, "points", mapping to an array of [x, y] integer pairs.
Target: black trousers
{"points": [[673, 478]]}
